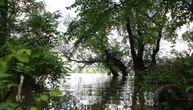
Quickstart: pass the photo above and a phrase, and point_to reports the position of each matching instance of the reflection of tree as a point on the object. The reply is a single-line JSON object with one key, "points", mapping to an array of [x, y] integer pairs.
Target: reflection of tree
{"points": [[138, 94], [113, 93]]}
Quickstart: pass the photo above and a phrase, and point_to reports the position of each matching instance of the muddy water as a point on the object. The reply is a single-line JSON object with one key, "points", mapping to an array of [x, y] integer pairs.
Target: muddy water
{"points": [[82, 91]]}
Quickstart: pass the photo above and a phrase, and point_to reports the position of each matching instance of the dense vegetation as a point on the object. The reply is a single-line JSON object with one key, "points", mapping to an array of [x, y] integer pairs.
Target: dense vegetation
{"points": [[29, 36], [118, 35]]}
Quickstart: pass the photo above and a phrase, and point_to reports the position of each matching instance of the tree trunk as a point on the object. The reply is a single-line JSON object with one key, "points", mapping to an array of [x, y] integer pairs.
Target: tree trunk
{"points": [[156, 50], [3, 22], [115, 73], [110, 65], [138, 62], [115, 62], [119, 64]]}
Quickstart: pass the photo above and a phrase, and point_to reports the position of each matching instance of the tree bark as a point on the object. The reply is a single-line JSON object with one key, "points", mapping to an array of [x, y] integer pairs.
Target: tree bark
{"points": [[18, 96], [138, 62], [3, 22], [115, 62], [110, 65], [156, 50], [120, 66]]}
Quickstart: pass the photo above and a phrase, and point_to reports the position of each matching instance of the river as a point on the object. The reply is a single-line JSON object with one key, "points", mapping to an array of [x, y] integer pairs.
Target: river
{"points": [[86, 91]]}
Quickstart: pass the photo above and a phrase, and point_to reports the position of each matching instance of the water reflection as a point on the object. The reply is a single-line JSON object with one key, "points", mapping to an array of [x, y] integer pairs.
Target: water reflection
{"points": [[102, 92]]}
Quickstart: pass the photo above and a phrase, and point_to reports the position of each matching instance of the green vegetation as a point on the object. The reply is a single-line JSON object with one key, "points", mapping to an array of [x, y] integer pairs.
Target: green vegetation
{"points": [[29, 36], [30, 41], [176, 71]]}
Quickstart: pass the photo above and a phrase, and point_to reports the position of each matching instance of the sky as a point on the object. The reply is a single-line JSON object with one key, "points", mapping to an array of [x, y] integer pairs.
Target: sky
{"points": [[54, 5]]}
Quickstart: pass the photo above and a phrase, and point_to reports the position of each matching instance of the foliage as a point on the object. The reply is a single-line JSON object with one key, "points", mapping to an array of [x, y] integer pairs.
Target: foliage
{"points": [[41, 29], [187, 85], [20, 58], [31, 26], [137, 23], [38, 104], [8, 105], [178, 71], [43, 63], [47, 65], [28, 37], [44, 98]]}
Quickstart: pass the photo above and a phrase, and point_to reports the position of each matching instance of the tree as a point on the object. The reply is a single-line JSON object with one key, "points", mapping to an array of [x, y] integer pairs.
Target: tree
{"points": [[3, 17], [180, 12], [98, 51], [27, 25], [140, 22]]}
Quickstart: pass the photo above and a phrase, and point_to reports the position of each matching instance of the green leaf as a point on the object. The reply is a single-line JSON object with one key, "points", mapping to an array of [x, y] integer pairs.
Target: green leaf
{"points": [[11, 85], [2, 3], [4, 75], [44, 98], [189, 88], [33, 108], [20, 64], [187, 62], [55, 93], [8, 105], [22, 55], [3, 67]]}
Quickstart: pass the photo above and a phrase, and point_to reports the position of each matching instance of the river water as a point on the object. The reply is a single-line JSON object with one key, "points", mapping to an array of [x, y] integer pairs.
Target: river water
{"points": [[84, 91]]}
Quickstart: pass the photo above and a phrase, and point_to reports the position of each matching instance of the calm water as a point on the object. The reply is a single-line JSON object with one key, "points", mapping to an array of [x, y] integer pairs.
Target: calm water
{"points": [[101, 92]]}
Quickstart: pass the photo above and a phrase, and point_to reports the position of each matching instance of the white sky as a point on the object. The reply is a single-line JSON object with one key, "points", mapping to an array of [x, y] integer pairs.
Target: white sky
{"points": [[53, 5]]}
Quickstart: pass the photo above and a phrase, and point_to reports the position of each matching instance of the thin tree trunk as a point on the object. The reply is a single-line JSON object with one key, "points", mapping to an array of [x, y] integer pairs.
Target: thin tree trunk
{"points": [[156, 50], [18, 96]]}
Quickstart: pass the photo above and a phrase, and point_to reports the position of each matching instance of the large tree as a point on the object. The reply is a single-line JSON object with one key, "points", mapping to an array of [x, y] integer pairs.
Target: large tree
{"points": [[100, 51], [140, 23]]}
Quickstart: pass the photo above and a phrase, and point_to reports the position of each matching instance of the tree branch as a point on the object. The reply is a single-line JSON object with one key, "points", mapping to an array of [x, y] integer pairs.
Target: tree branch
{"points": [[87, 62], [18, 96]]}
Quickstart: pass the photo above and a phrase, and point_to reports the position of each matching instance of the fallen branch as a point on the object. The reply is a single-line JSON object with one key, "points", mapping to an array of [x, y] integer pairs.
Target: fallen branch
{"points": [[87, 62]]}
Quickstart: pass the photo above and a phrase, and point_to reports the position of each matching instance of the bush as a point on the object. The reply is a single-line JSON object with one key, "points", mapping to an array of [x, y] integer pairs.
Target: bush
{"points": [[173, 71], [47, 65], [43, 63]]}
